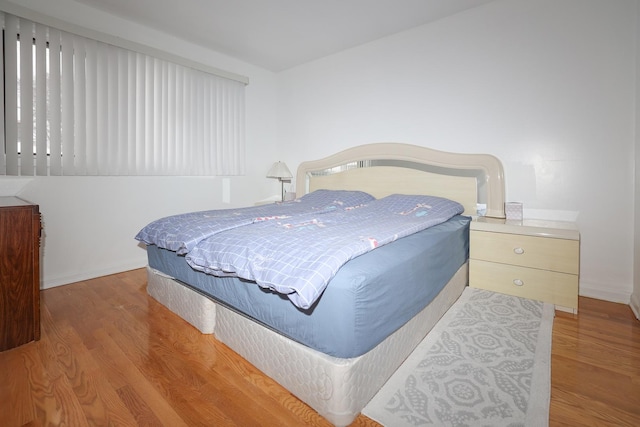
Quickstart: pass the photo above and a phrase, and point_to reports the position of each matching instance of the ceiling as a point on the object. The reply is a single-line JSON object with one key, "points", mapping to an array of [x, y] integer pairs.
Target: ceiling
{"points": [[280, 34]]}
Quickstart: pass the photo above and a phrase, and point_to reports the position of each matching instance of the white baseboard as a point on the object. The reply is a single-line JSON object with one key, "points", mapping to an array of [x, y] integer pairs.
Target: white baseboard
{"points": [[635, 304], [592, 290], [60, 281]]}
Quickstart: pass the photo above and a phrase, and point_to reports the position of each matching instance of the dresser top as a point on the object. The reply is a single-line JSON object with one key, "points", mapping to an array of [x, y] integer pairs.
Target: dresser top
{"points": [[10, 201]]}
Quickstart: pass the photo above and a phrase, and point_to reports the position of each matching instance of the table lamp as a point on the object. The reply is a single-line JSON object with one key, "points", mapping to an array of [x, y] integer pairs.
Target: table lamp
{"points": [[281, 171]]}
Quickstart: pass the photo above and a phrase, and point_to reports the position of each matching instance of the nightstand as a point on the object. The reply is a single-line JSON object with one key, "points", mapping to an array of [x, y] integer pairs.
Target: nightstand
{"points": [[268, 201], [532, 259]]}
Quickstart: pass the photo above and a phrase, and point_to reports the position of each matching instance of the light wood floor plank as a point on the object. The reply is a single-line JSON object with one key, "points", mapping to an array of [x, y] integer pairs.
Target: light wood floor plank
{"points": [[51, 392], [18, 379], [130, 382], [111, 355]]}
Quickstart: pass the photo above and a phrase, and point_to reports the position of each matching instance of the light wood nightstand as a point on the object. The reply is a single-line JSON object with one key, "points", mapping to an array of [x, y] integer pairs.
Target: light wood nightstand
{"points": [[531, 259]]}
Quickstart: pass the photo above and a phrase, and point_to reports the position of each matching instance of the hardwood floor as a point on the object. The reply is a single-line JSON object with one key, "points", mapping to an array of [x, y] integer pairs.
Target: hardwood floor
{"points": [[111, 355]]}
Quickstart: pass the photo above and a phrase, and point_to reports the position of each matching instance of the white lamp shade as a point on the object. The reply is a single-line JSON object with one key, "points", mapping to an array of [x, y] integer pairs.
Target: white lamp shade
{"points": [[279, 170]]}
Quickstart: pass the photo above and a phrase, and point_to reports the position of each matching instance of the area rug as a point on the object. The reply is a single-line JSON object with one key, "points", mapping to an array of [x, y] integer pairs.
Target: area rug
{"points": [[487, 362]]}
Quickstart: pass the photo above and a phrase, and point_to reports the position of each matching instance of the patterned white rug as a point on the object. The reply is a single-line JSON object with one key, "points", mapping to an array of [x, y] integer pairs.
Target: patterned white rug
{"points": [[486, 363]]}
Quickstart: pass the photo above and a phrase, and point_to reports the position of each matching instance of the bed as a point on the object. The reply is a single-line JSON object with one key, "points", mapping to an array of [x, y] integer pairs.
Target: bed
{"points": [[333, 353]]}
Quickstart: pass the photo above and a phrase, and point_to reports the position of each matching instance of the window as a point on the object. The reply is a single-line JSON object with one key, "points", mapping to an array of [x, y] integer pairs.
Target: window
{"points": [[77, 106]]}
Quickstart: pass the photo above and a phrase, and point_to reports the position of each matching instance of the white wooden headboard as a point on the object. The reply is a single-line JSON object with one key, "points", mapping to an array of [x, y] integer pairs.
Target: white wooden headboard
{"points": [[387, 168]]}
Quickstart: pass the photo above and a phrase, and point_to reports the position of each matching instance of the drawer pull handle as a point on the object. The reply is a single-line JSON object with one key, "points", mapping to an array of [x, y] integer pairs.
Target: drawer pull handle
{"points": [[518, 282], [518, 251]]}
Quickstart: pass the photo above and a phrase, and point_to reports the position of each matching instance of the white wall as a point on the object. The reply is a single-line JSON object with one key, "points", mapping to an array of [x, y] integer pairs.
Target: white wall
{"points": [[635, 297], [547, 86], [90, 222]]}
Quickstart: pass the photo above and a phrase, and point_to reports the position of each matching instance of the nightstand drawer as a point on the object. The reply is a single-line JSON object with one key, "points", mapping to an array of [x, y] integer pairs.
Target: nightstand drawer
{"points": [[560, 255], [557, 288]]}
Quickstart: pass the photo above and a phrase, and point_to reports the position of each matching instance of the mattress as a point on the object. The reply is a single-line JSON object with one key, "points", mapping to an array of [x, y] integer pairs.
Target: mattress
{"points": [[370, 297]]}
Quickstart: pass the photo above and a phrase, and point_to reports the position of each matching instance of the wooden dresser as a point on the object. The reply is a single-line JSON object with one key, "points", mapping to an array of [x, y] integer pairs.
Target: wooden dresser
{"points": [[531, 259], [19, 272]]}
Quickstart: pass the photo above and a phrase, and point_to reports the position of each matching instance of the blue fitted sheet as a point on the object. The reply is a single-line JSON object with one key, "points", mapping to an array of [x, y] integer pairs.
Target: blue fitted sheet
{"points": [[368, 299]]}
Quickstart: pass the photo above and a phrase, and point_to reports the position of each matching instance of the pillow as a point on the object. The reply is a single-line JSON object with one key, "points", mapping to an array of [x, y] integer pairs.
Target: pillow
{"points": [[335, 199], [418, 205]]}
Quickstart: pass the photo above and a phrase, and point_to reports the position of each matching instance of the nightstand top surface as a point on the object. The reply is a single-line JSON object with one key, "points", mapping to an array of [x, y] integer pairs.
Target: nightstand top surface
{"points": [[531, 227]]}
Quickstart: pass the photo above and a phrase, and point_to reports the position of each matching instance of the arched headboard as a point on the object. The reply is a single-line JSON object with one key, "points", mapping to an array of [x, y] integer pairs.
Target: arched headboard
{"points": [[388, 167]]}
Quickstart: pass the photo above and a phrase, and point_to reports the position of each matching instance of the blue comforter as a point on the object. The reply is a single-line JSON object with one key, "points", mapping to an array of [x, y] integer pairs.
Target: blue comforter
{"points": [[181, 233], [299, 255]]}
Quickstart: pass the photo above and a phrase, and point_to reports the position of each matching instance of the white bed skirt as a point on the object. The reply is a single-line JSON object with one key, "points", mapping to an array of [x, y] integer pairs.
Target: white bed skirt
{"points": [[338, 389]]}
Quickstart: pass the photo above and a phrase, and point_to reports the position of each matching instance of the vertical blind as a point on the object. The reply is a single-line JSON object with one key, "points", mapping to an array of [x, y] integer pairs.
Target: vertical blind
{"points": [[76, 106]]}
